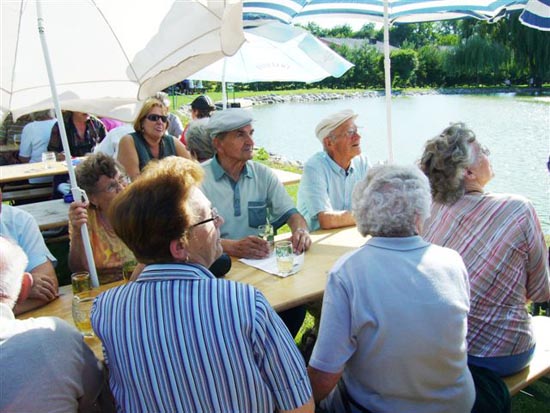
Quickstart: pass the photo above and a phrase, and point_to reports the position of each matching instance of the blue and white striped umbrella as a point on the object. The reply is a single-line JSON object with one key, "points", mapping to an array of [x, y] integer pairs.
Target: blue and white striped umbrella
{"points": [[386, 11], [399, 11], [537, 14]]}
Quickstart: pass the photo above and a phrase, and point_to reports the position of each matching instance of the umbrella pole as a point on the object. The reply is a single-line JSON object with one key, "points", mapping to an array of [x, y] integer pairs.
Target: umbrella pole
{"points": [[387, 75], [76, 191], [224, 95]]}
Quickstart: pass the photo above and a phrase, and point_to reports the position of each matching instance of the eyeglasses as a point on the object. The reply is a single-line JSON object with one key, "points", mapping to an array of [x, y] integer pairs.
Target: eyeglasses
{"points": [[154, 118], [350, 133], [215, 216], [116, 183]]}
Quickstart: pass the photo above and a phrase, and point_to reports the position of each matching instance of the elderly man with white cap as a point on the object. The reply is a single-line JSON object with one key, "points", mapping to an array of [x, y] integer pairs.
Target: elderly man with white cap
{"points": [[246, 193], [324, 196]]}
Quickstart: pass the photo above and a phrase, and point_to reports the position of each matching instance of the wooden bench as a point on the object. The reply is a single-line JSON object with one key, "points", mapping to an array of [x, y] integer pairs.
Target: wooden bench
{"points": [[540, 365], [27, 194]]}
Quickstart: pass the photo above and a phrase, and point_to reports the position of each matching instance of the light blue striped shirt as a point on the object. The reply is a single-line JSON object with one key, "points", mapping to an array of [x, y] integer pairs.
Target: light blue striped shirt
{"points": [[325, 186], [180, 340]]}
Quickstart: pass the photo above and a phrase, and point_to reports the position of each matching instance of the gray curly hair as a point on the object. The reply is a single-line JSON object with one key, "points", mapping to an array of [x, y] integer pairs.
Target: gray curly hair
{"points": [[445, 159], [389, 200]]}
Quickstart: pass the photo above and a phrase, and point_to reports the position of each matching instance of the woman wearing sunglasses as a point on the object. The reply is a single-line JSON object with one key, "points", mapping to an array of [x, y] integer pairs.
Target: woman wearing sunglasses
{"points": [[150, 139]]}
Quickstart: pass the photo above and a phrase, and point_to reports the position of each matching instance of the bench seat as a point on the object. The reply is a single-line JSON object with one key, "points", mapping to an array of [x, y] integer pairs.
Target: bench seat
{"points": [[27, 194], [540, 365]]}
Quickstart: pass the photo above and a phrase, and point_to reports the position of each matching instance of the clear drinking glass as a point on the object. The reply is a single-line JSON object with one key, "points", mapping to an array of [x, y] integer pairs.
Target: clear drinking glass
{"points": [[82, 306], [49, 159], [81, 282], [285, 257]]}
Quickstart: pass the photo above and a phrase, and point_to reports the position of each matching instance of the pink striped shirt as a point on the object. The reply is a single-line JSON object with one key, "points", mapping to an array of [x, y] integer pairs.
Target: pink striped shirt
{"points": [[500, 240]]}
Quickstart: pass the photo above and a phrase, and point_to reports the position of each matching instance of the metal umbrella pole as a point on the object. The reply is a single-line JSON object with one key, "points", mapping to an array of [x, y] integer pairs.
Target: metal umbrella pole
{"points": [[387, 77], [78, 193]]}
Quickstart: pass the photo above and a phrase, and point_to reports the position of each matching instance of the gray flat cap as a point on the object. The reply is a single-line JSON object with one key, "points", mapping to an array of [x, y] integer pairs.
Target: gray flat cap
{"points": [[228, 120]]}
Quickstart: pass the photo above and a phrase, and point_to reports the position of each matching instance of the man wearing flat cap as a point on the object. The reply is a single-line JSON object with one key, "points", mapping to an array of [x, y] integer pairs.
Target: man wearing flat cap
{"points": [[324, 196], [246, 193]]}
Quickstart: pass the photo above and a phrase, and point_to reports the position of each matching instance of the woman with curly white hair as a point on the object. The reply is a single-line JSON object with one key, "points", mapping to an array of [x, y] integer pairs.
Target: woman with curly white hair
{"points": [[501, 242], [393, 326]]}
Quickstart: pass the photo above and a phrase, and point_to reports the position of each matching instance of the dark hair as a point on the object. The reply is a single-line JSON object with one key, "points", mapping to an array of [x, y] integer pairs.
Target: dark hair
{"points": [[94, 167], [153, 210]]}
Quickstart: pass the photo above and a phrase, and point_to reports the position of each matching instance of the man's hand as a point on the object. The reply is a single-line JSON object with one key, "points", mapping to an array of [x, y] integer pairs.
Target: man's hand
{"points": [[43, 288], [249, 247], [300, 240]]}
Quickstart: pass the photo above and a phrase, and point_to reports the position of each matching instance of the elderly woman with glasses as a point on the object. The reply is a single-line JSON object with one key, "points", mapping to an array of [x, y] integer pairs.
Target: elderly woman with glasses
{"points": [[102, 178], [150, 139], [501, 242], [178, 339], [393, 326]]}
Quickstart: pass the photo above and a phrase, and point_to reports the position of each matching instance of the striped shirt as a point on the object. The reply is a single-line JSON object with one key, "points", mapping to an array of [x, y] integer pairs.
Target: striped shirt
{"points": [[180, 340], [500, 240]]}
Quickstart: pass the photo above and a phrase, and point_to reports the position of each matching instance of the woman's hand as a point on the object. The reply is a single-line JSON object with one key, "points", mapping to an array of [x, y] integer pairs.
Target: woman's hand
{"points": [[78, 214]]}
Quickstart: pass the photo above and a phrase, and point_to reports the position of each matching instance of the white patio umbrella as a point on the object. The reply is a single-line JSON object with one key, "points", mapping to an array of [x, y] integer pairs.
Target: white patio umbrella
{"points": [[383, 11], [537, 14], [276, 52], [106, 50]]}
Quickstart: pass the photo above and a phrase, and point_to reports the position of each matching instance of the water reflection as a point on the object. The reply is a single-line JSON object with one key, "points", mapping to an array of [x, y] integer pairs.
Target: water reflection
{"points": [[516, 129]]}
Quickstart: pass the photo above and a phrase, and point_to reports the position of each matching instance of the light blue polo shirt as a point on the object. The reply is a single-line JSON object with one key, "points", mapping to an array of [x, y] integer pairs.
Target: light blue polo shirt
{"points": [[325, 186], [21, 227], [243, 204]]}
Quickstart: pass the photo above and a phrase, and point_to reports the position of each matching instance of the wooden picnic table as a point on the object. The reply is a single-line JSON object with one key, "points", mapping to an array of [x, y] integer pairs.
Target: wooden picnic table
{"points": [[282, 293], [24, 171], [48, 214]]}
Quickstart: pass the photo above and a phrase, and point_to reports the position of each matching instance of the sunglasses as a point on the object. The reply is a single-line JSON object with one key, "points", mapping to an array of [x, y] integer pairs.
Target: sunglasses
{"points": [[155, 118]]}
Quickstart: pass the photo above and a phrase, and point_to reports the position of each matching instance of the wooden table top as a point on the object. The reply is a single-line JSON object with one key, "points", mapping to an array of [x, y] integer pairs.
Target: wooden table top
{"points": [[282, 293], [48, 214], [22, 171]]}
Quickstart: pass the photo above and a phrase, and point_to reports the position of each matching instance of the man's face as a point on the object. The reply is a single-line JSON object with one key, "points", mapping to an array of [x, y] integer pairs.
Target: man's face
{"points": [[345, 142], [237, 145]]}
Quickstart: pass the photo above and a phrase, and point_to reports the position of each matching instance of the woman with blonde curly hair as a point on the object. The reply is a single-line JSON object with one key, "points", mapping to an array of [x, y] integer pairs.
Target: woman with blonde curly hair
{"points": [[501, 242]]}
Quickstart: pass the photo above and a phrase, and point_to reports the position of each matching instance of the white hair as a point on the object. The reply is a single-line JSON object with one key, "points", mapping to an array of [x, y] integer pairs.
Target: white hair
{"points": [[389, 201], [13, 262]]}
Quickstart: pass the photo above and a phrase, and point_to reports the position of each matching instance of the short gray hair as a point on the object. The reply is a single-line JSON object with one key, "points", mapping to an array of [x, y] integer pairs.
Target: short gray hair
{"points": [[445, 159], [13, 262], [199, 141], [388, 201]]}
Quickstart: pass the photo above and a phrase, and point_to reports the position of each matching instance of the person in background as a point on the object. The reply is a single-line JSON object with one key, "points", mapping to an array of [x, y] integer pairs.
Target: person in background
{"points": [[175, 127], [34, 140], [109, 145], [201, 108], [394, 318], [9, 130], [84, 132], [103, 179], [110, 123], [21, 227], [500, 240], [241, 357], [46, 365], [150, 139], [199, 142], [324, 195]]}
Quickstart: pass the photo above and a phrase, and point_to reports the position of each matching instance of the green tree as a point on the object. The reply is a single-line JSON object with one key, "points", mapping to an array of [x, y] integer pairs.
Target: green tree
{"points": [[478, 58], [343, 31], [404, 63], [430, 66], [366, 32]]}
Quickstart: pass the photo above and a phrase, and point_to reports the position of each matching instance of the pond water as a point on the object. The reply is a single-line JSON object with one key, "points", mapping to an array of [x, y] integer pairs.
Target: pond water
{"points": [[515, 129]]}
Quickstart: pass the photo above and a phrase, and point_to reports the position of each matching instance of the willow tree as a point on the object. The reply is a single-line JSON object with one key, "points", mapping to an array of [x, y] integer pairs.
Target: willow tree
{"points": [[477, 57]]}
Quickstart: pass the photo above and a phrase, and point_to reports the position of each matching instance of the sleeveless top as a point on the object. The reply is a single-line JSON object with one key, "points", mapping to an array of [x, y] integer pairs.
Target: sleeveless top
{"points": [[167, 148]]}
